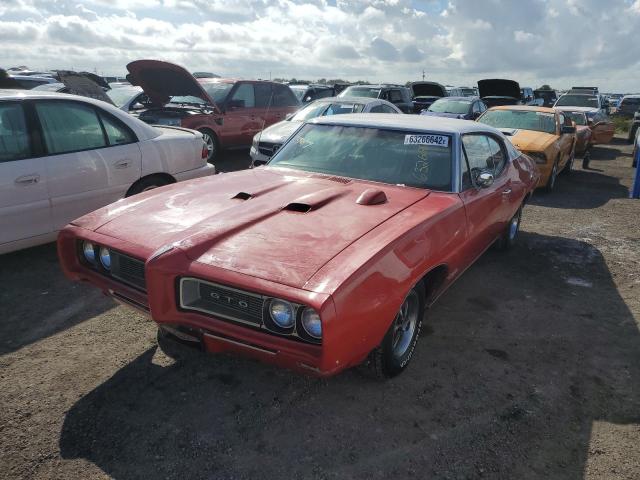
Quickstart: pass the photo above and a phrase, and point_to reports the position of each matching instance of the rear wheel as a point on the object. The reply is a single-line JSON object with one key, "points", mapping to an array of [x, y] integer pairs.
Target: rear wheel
{"points": [[147, 183], [211, 142], [551, 183], [395, 352], [510, 235]]}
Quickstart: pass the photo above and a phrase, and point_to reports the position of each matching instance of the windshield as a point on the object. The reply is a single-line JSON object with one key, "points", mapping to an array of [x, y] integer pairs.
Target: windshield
{"points": [[520, 120], [467, 92], [321, 109], [121, 95], [578, 101], [218, 92], [577, 117], [360, 92], [388, 156], [450, 106], [298, 92]]}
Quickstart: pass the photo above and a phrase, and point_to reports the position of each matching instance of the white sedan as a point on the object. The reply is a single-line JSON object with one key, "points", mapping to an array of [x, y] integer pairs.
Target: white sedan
{"points": [[62, 156]]}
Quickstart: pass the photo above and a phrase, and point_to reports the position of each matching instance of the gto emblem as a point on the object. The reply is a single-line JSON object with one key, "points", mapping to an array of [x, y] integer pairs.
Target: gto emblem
{"points": [[230, 300]]}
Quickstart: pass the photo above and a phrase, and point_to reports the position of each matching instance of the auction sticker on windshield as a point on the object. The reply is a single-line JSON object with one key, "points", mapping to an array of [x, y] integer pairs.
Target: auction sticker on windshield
{"points": [[436, 140]]}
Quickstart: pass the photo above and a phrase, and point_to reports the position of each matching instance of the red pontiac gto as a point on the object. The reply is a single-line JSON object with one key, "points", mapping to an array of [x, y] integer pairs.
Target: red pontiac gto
{"points": [[326, 256]]}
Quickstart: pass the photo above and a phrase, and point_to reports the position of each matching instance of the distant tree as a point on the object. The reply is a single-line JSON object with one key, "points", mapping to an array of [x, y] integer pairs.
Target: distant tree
{"points": [[545, 87]]}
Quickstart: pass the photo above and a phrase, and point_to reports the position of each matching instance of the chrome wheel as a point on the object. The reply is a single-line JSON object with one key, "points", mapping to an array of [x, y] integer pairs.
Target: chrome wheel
{"points": [[211, 145], [404, 325]]}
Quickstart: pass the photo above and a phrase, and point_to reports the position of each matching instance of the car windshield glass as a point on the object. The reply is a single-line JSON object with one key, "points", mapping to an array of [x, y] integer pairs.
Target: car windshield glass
{"points": [[520, 119], [298, 92], [216, 90], [121, 95], [577, 117], [578, 101], [633, 101], [449, 106], [360, 92], [317, 109], [467, 92], [395, 157]]}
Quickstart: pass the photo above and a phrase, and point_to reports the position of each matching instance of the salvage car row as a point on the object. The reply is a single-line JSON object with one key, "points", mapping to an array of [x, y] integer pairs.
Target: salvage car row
{"points": [[324, 257]]}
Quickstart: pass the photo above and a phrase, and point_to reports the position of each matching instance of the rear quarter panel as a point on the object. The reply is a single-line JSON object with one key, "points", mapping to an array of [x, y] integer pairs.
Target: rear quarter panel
{"points": [[370, 279], [172, 152]]}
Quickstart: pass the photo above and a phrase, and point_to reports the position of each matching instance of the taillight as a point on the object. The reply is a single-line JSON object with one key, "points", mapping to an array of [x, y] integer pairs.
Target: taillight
{"points": [[205, 152]]}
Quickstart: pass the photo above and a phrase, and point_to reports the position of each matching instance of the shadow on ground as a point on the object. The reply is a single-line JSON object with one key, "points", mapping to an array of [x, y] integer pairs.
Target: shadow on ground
{"points": [[516, 366], [38, 306]]}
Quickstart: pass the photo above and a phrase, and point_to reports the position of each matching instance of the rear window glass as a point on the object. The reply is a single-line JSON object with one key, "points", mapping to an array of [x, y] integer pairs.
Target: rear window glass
{"points": [[520, 120]]}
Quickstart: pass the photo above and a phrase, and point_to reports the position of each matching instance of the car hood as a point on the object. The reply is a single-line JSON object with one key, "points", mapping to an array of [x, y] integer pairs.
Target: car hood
{"points": [[428, 89], [443, 114], [279, 132], [84, 84], [163, 80], [529, 140], [498, 87], [276, 224]]}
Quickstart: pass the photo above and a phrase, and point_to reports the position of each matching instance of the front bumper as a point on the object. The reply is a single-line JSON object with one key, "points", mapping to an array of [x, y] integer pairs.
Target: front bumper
{"points": [[256, 155], [217, 335]]}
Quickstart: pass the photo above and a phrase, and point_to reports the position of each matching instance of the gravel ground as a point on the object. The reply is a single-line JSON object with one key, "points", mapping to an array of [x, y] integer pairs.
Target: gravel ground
{"points": [[529, 367]]}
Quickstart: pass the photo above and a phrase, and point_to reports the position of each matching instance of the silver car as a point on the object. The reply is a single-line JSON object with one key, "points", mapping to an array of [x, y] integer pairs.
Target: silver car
{"points": [[269, 140]]}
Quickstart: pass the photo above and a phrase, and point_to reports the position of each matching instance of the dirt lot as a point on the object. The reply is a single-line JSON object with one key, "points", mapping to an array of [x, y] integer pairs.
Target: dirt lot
{"points": [[529, 368]]}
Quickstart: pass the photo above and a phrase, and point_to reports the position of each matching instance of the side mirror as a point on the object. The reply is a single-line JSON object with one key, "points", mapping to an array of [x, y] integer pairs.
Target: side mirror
{"points": [[307, 98], [258, 163], [137, 106], [484, 180], [567, 129]]}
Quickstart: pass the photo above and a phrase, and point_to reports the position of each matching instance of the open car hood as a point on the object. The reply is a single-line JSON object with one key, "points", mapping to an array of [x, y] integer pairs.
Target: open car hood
{"points": [[84, 84], [163, 80], [498, 87], [427, 89]]}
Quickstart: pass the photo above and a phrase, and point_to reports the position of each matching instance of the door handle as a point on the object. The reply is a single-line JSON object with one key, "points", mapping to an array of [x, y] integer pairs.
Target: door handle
{"points": [[122, 164], [28, 179], [506, 192]]}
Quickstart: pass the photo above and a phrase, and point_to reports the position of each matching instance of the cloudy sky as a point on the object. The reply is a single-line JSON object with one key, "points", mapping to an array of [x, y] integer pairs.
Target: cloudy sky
{"points": [[456, 42]]}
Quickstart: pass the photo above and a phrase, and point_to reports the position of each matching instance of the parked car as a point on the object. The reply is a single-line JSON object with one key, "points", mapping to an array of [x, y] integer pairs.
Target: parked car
{"points": [[497, 91], [591, 101], [129, 98], [398, 95], [583, 131], [602, 128], [635, 124], [636, 146], [466, 108], [27, 82], [325, 257], [548, 97], [425, 93], [205, 75], [468, 92], [82, 84], [629, 105], [269, 141], [306, 93], [62, 156], [227, 112], [544, 134], [526, 95]]}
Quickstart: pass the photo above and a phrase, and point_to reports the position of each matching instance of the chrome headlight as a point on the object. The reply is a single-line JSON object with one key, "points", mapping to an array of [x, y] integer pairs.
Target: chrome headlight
{"points": [[105, 258], [540, 158], [282, 313], [256, 140], [311, 322], [89, 252]]}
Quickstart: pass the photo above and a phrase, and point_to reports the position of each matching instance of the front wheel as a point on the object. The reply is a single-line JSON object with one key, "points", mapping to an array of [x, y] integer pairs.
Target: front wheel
{"points": [[551, 183], [568, 168], [395, 352], [510, 235], [211, 142]]}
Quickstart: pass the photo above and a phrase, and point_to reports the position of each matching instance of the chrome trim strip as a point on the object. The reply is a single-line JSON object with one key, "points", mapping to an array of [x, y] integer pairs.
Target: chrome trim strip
{"points": [[240, 344], [126, 301]]}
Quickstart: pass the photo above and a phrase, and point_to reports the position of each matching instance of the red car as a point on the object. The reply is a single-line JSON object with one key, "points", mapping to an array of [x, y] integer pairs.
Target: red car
{"points": [[328, 255], [227, 112]]}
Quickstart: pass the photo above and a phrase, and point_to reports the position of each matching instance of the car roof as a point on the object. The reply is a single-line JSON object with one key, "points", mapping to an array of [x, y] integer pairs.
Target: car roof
{"points": [[461, 98], [420, 123], [350, 99], [377, 85], [526, 108], [631, 96], [576, 109]]}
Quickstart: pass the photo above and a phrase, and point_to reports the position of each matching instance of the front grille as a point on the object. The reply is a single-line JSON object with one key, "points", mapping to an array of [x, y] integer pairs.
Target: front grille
{"points": [[221, 301], [268, 148], [127, 269]]}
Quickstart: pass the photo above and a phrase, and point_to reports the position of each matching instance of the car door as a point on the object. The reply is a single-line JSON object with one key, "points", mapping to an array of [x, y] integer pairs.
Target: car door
{"points": [[25, 211], [486, 208], [565, 140], [242, 120], [91, 157], [602, 128], [284, 102]]}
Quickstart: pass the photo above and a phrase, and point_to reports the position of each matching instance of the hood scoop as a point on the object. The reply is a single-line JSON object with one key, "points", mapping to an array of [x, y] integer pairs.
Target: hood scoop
{"points": [[372, 196], [242, 196], [315, 200]]}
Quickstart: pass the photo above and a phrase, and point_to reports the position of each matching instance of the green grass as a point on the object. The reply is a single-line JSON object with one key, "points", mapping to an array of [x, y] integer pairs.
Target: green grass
{"points": [[622, 124]]}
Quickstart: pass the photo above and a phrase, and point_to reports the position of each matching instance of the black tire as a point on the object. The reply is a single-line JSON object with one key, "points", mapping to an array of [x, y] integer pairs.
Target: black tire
{"points": [[551, 183], [213, 146], [510, 235], [147, 183], [395, 352]]}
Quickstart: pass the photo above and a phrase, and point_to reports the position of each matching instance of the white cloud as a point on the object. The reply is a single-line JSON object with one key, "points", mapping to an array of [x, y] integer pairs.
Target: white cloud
{"points": [[559, 42]]}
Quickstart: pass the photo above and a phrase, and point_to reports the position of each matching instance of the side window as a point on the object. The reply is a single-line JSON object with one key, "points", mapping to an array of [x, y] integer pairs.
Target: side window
{"points": [[483, 107], [244, 96], [388, 109], [376, 109], [117, 133], [395, 96], [478, 154], [497, 156], [263, 95], [14, 136], [476, 107], [283, 96], [69, 127], [324, 93]]}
